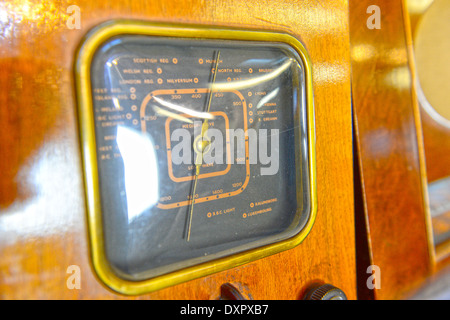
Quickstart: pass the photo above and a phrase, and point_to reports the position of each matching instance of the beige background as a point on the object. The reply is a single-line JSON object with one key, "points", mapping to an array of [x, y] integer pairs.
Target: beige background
{"points": [[432, 51]]}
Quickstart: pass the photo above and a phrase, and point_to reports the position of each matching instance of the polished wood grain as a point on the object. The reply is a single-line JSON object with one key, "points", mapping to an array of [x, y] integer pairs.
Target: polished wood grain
{"points": [[390, 150], [43, 220]]}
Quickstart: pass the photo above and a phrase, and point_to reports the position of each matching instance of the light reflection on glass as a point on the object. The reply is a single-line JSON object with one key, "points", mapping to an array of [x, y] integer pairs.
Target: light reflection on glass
{"points": [[267, 98], [116, 103], [238, 85], [141, 170], [193, 113], [169, 114]]}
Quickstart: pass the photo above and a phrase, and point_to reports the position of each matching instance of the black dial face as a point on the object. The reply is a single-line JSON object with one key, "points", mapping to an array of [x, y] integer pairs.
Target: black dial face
{"points": [[201, 150]]}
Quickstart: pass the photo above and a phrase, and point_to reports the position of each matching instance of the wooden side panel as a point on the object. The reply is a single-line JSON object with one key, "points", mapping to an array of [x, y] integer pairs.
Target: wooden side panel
{"points": [[390, 151], [43, 220]]}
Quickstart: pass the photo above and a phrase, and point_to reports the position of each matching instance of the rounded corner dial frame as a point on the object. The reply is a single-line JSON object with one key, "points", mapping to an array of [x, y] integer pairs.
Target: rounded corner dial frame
{"points": [[92, 42]]}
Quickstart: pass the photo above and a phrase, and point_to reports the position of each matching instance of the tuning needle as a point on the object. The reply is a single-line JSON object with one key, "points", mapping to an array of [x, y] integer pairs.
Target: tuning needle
{"points": [[199, 156]]}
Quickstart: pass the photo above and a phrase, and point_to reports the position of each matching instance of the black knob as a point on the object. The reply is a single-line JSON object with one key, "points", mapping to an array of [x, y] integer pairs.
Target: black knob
{"points": [[325, 292]]}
